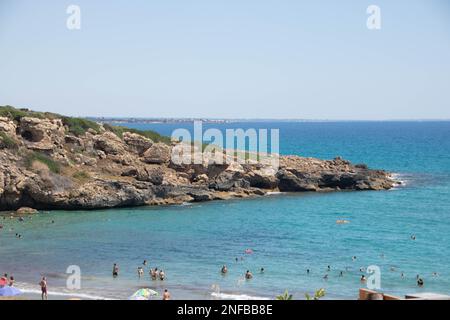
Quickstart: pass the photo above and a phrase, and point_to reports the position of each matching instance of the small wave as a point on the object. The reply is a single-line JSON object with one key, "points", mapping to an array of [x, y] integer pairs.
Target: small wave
{"points": [[186, 204], [402, 180], [273, 193], [28, 289], [229, 296]]}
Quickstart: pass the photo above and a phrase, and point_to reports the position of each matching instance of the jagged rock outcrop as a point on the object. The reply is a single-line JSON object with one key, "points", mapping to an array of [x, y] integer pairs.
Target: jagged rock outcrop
{"points": [[109, 143], [7, 126], [137, 143], [46, 167], [157, 154], [41, 134]]}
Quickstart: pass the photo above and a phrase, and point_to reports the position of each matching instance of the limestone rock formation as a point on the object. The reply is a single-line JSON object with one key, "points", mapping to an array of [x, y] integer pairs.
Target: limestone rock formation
{"points": [[158, 153], [137, 143], [44, 166]]}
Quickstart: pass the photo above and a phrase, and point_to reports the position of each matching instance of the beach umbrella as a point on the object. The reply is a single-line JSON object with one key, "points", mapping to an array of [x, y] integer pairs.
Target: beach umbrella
{"points": [[9, 292], [144, 294]]}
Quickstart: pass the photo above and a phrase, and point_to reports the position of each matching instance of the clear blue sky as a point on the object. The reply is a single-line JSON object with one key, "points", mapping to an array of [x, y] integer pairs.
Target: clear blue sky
{"points": [[228, 58]]}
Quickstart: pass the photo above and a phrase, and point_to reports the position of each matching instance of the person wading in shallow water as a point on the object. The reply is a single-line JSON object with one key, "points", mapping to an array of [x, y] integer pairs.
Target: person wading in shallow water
{"points": [[166, 295], [115, 271], [43, 285], [153, 273], [140, 271]]}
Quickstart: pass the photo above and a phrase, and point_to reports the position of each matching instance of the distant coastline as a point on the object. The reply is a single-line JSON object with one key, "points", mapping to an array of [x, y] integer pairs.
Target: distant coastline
{"points": [[119, 120]]}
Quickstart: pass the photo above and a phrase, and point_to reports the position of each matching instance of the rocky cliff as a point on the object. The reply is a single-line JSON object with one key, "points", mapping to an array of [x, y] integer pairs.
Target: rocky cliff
{"points": [[53, 162]]}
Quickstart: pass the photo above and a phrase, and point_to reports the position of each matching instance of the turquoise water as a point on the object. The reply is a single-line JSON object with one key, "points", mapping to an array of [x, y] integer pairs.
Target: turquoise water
{"points": [[289, 233]]}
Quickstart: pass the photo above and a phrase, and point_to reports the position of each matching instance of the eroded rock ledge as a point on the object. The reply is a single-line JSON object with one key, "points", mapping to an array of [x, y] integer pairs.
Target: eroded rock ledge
{"points": [[43, 166]]}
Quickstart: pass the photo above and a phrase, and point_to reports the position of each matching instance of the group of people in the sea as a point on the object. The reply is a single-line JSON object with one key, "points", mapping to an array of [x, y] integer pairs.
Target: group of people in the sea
{"points": [[363, 279], [155, 274], [248, 275], [159, 274]]}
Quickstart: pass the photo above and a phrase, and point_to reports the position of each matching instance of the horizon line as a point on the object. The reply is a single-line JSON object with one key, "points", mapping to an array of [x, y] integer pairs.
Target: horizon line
{"points": [[191, 119]]}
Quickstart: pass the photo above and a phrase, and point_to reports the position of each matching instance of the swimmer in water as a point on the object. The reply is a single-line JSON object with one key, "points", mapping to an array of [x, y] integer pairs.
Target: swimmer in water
{"points": [[325, 277], [353, 258], [144, 263], [413, 237], [363, 278], [162, 275], [307, 271], [341, 274], [262, 270], [140, 271], [224, 269], [248, 275], [329, 268], [420, 282], [402, 275]]}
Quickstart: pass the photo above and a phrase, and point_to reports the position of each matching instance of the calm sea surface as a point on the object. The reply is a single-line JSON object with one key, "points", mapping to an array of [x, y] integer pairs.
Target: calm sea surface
{"points": [[288, 233]]}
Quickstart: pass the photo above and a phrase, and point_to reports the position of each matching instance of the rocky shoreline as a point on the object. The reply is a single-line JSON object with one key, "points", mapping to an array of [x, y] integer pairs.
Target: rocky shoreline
{"points": [[45, 165]]}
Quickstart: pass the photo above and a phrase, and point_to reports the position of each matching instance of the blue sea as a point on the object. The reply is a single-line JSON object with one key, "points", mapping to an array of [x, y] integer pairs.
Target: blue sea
{"points": [[289, 233]]}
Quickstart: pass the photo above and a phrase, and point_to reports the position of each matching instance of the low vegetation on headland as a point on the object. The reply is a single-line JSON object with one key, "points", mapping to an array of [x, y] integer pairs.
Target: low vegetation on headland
{"points": [[50, 161]]}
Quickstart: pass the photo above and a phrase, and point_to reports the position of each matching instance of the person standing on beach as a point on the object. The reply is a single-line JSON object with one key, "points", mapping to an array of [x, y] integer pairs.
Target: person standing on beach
{"points": [[115, 272], [43, 285], [166, 295]]}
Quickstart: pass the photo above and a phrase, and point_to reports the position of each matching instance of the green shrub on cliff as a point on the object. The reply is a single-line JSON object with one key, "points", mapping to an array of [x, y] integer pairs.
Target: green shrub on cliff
{"points": [[76, 126], [154, 136], [16, 114], [81, 175], [79, 126], [7, 141], [51, 164]]}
